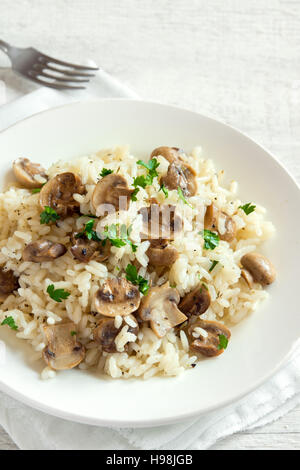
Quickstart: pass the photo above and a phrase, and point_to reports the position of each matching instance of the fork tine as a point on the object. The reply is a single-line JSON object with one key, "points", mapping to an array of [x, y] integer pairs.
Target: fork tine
{"points": [[63, 79], [47, 59], [57, 86], [70, 72]]}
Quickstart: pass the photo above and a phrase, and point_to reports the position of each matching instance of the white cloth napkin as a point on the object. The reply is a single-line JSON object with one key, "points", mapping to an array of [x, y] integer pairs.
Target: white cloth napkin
{"points": [[31, 429]]}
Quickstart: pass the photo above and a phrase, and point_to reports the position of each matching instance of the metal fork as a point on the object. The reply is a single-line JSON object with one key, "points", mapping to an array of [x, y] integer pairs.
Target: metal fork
{"points": [[45, 70]]}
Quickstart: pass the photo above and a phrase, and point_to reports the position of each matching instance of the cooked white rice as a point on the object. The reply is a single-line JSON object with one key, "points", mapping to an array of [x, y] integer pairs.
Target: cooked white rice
{"points": [[146, 356]]}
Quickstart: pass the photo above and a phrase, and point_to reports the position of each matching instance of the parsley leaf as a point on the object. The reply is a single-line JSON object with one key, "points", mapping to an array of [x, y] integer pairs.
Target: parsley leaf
{"points": [[89, 232], [143, 181], [181, 196], [164, 190], [10, 322], [247, 208], [48, 215], [133, 195], [105, 172], [73, 333], [132, 276], [213, 264], [57, 294], [151, 167], [118, 235], [223, 342], [211, 239]]}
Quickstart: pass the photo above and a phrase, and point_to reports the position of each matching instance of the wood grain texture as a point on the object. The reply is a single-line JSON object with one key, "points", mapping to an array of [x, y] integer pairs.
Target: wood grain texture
{"points": [[237, 60]]}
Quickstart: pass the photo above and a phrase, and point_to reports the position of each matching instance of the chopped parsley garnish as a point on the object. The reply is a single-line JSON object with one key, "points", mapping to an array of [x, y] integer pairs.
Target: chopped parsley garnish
{"points": [[133, 195], [164, 190], [211, 239], [9, 321], [105, 172], [89, 232], [132, 276], [213, 264], [57, 294], [248, 208], [205, 286], [48, 215], [138, 181], [118, 235], [73, 333], [151, 167], [223, 342], [143, 181], [181, 196]]}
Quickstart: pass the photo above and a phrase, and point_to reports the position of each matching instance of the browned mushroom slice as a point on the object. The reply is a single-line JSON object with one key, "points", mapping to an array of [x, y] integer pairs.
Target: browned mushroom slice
{"points": [[58, 193], [117, 296], [261, 269], [112, 190], [159, 307], [208, 342], [43, 250], [228, 230], [160, 222], [85, 250], [248, 278], [211, 218], [26, 172], [106, 332], [180, 175], [196, 302], [215, 219], [62, 351], [169, 153], [8, 283], [160, 253]]}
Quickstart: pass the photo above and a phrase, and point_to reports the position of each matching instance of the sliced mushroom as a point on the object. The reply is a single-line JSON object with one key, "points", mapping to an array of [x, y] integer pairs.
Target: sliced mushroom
{"points": [[261, 269], [27, 172], [180, 175], [58, 193], [211, 218], [208, 342], [117, 296], [8, 283], [221, 222], [43, 250], [84, 250], [159, 307], [160, 253], [169, 153], [160, 221], [106, 332], [112, 190], [248, 278], [196, 302], [62, 350]]}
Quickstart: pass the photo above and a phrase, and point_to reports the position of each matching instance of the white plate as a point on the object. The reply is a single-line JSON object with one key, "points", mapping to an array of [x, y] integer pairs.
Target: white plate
{"points": [[259, 344]]}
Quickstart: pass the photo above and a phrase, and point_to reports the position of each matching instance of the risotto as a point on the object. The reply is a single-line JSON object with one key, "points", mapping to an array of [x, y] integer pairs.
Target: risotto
{"points": [[132, 268]]}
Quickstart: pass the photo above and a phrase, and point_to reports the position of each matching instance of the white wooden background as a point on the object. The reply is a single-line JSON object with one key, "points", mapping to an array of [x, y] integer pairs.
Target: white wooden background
{"points": [[236, 59]]}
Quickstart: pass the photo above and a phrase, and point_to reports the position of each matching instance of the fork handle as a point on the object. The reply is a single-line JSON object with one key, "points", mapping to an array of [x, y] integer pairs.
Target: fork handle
{"points": [[4, 46]]}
